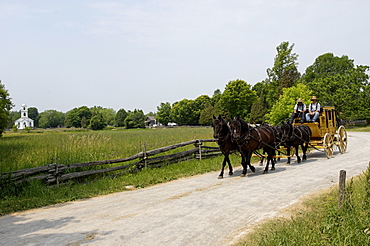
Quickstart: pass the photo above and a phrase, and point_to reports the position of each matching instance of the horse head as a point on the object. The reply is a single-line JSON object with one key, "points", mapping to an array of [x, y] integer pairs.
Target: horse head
{"points": [[238, 128], [287, 131], [220, 127]]}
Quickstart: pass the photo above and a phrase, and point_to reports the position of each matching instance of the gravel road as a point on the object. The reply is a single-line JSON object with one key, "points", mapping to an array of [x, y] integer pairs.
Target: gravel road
{"points": [[200, 210]]}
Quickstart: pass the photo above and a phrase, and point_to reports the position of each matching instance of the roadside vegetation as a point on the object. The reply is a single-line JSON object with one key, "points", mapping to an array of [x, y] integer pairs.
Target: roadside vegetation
{"points": [[320, 221]]}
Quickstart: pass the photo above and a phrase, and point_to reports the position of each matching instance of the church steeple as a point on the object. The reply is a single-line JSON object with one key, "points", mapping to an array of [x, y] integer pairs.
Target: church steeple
{"points": [[24, 111]]}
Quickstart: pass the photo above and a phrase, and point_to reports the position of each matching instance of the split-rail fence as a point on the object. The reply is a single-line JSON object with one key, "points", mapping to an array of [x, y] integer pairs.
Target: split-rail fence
{"points": [[56, 172]]}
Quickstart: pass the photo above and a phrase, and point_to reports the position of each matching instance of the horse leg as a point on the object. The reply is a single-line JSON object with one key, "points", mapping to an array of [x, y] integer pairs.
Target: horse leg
{"points": [[262, 158], [230, 167], [270, 157], [304, 149], [244, 164], [288, 154], [297, 154], [221, 176], [253, 169]]}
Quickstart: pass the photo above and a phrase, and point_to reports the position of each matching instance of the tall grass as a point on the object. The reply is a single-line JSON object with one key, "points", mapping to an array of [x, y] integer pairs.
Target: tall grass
{"points": [[25, 150], [320, 222]]}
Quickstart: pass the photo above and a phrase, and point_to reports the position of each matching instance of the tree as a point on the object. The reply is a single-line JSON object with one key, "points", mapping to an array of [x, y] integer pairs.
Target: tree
{"points": [[135, 119], [108, 114], [33, 113], [337, 82], [325, 66], [206, 115], [259, 110], [13, 116], [51, 118], [283, 74], [97, 122], [5, 107], [283, 108], [238, 98], [75, 116], [184, 112], [164, 113], [120, 118]]}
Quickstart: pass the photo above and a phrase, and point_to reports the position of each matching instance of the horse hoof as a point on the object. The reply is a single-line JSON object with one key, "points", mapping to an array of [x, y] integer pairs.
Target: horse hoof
{"points": [[299, 161], [288, 163], [231, 173], [242, 175], [264, 172], [220, 177], [261, 164], [272, 168], [253, 169]]}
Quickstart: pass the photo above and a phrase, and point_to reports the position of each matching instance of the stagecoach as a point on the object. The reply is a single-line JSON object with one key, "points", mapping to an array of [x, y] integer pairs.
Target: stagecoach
{"points": [[326, 132]]}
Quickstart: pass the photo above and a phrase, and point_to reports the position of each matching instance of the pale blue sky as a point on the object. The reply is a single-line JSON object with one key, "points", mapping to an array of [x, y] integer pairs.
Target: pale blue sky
{"points": [[136, 54]]}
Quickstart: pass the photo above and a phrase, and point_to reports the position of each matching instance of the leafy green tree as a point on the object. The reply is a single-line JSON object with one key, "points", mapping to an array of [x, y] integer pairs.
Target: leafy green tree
{"points": [[120, 117], [216, 97], [51, 118], [283, 74], [33, 113], [185, 112], [108, 114], [325, 66], [337, 82], [206, 115], [164, 113], [258, 111], [13, 116], [283, 108], [97, 122], [5, 107], [135, 119], [74, 117], [238, 98]]}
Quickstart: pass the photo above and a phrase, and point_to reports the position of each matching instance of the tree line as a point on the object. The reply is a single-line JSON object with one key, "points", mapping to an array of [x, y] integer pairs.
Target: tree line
{"points": [[336, 81]]}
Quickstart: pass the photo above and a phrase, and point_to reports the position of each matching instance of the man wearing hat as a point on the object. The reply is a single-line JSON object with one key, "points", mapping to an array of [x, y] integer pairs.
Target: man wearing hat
{"points": [[299, 110], [313, 110]]}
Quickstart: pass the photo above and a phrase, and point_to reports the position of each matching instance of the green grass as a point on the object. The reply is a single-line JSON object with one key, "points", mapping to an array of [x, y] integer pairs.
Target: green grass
{"points": [[23, 150], [319, 221], [359, 129]]}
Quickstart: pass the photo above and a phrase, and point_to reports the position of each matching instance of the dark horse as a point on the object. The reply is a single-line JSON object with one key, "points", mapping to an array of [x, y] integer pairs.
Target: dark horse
{"points": [[222, 134], [250, 139], [297, 136]]}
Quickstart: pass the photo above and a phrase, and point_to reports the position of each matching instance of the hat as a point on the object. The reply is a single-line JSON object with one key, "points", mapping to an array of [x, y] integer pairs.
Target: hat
{"points": [[313, 98], [299, 100]]}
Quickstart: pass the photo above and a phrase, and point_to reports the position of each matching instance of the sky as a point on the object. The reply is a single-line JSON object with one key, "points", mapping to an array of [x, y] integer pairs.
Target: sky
{"points": [[136, 54]]}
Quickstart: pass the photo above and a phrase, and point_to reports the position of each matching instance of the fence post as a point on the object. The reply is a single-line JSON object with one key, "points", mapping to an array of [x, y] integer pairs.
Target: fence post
{"points": [[342, 188], [145, 157]]}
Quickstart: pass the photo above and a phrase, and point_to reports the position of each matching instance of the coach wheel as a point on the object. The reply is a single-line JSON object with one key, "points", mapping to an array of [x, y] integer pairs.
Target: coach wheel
{"points": [[342, 139], [329, 145]]}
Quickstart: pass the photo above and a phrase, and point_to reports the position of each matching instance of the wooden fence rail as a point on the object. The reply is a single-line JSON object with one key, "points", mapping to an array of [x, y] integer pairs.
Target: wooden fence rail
{"points": [[55, 172]]}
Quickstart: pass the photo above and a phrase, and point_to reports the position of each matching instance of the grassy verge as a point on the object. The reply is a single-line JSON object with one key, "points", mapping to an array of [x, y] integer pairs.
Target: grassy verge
{"points": [[319, 221]]}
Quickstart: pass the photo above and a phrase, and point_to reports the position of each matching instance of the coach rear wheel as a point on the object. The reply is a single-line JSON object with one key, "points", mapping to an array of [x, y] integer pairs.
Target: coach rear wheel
{"points": [[329, 145], [342, 139]]}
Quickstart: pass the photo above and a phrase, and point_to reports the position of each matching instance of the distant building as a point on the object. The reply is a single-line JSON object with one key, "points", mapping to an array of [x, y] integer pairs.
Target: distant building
{"points": [[150, 121], [24, 121]]}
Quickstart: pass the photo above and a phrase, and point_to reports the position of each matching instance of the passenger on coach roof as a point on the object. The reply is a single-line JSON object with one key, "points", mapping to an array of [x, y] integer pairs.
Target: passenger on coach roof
{"points": [[298, 111], [313, 110]]}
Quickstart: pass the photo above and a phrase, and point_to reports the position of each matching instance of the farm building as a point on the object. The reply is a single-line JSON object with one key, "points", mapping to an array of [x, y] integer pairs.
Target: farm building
{"points": [[150, 121], [24, 121]]}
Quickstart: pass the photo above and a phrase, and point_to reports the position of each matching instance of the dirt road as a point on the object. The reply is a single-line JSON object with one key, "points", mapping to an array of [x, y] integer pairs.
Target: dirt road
{"points": [[200, 210]]}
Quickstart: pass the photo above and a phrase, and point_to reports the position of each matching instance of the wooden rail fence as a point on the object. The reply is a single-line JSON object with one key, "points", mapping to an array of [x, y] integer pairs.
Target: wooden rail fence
{"points": [[56, 172]]}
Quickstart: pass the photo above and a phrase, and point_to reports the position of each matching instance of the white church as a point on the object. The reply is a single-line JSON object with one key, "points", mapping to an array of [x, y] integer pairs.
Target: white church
{"points": [[24, 121]]}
